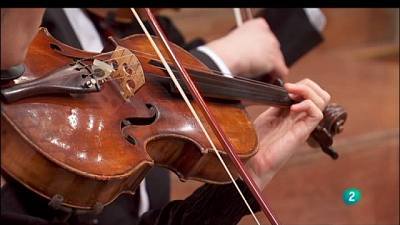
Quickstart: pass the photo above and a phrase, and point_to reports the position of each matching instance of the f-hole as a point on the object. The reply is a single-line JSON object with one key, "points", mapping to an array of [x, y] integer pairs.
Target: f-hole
{"points": [[139, 121], [55, 47]]}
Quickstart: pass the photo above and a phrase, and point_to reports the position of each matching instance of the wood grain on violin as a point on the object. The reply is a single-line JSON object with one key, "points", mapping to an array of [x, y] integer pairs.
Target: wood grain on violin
{"points": [[89, 148], [90, 143]]}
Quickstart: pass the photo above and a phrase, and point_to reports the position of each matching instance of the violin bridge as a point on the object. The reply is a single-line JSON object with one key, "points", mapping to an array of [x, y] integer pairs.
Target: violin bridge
{"points": [[127, 72]]}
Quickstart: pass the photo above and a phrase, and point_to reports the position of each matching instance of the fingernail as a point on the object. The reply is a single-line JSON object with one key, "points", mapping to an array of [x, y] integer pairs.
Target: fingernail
{"points": [[288, 85]]}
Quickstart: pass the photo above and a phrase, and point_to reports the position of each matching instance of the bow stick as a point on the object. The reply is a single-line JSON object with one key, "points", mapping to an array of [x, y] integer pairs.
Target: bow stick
{"points": [[206, 113], [238, 12]]}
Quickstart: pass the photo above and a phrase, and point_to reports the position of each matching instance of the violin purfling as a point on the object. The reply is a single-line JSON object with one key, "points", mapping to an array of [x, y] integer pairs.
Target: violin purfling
{"points": [[80, 133]]}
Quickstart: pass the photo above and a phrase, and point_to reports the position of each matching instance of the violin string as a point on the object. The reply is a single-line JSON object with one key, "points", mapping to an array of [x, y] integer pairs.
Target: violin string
{"points": [[208, 71], [152, 57], [187, 101], [198, 69], [191, 66], [214, 72], [260, 93]]}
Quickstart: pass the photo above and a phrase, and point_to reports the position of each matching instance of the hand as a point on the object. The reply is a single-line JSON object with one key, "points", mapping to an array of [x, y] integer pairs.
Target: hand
{"points": [[282, 131], [251, 50], [18, 28]]}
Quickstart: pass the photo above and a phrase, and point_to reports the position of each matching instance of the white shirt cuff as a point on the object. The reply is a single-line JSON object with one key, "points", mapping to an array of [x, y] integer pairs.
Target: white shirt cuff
{"points": [[316, 18], [84, 29], [144, 204], [217, 60]]}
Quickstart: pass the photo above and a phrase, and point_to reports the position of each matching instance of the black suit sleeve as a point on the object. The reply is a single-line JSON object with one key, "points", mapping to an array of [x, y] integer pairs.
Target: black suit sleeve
{"points": [[204, 58], [294, 31], [209, 204], [56, 22]]}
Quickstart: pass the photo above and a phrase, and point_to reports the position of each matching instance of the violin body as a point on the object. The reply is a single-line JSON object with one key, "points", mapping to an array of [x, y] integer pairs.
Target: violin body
{"points": [[90, 148]]}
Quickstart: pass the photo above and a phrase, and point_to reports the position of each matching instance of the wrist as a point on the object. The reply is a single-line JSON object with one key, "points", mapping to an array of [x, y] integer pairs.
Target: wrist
{"points": [[232, 61], [261, 172]]}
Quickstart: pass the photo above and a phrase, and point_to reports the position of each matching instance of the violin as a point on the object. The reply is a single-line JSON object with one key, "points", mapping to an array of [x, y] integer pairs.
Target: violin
{"points": [[81, 128]]}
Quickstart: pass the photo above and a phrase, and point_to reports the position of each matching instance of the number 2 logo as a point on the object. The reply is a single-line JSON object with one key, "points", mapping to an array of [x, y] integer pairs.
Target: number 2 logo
{"points": [[351, 196]]}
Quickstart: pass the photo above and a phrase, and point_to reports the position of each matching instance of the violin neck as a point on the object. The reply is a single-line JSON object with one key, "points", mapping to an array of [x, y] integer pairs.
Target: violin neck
{"points": [[226, 88]]}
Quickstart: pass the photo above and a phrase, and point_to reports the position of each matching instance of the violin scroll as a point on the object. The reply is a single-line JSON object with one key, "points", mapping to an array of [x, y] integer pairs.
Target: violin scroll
{"points": [[332, 124], [334, 118]]}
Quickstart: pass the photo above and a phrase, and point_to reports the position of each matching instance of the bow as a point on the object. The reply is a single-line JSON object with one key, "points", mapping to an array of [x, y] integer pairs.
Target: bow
{"points": [[206, 113]]}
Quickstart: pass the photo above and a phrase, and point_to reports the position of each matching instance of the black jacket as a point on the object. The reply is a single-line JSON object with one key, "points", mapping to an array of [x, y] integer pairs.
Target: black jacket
{"points": [[210, 204]]}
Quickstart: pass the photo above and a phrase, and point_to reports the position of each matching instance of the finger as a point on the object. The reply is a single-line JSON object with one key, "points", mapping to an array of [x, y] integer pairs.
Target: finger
{"points": [[310, 108], [321, 92], [280, 69], [275, 111], [262, 121], [306, 92], [296, 98], [271, 111]]}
